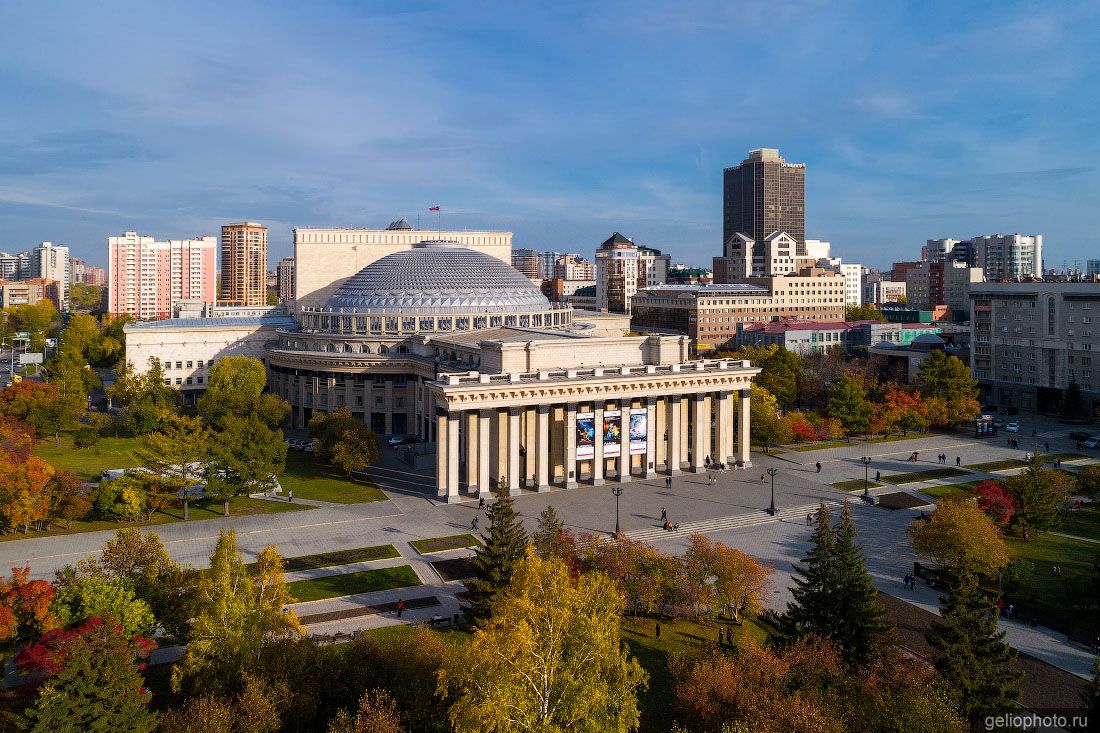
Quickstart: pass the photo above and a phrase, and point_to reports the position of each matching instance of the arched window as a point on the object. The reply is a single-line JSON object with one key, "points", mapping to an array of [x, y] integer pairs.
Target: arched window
{"points": [[383, 349], [330, 348], [364, 349], [347, 348], [402, 349]]}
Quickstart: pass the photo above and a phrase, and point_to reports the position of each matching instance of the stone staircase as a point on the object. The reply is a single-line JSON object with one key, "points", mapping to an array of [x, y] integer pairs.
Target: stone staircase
{"points": [[719, 524]]}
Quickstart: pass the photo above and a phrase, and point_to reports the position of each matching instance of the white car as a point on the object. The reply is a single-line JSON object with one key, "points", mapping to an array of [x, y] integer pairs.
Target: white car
{"points": [[1012, 427], [308, 447], [1092, 442]]}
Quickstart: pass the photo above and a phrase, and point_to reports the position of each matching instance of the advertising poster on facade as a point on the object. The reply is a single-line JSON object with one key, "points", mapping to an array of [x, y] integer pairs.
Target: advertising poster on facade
{"points": [[586, 435], [639, 430], [612, 433]]}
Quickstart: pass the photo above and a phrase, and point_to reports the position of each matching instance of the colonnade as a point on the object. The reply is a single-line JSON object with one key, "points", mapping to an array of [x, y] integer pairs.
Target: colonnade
{"points": [[568, 443]]}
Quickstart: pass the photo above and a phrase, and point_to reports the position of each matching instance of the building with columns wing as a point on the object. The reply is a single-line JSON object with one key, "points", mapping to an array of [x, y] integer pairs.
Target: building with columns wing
{"points": [[453, 345]]}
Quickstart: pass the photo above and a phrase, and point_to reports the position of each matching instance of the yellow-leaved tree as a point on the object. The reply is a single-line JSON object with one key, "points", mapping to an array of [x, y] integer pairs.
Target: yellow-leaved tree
{"points": [[549, 659], [960, 536]]}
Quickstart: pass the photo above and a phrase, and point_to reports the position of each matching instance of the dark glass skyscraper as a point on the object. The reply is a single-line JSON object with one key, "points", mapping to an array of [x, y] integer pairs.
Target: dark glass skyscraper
{"points": [[764, 195]]}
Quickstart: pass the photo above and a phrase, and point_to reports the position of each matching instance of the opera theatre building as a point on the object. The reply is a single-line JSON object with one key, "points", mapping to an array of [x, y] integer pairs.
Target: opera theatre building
{"points": [[447, 342]]}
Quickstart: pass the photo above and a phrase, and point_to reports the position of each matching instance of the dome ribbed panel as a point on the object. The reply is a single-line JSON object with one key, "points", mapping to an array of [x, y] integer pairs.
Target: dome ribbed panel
{"points": [[437, 277]]}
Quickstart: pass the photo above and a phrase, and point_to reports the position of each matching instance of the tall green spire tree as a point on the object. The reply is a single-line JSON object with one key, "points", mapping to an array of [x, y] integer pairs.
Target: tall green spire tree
{"points": [[860, 617], [547, 539], [503, 546], [813, 610], [974, 660]]}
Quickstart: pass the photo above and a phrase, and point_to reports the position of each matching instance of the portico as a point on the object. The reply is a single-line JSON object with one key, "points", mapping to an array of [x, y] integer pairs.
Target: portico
{"points": [[574, 426]]}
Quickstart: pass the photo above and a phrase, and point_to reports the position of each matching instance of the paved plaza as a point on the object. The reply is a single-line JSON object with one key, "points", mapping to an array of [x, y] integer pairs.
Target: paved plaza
{"points": [[732, 511]]}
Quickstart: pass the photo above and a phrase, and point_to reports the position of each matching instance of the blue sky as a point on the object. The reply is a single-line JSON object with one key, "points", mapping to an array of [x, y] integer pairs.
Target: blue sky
{"points": [[562, 122]]}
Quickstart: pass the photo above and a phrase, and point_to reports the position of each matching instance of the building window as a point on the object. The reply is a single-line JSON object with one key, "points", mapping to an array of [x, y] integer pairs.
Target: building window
{"points": [[179, 365], [201, 380], [179, 380], [188, 380], [1051, 312], [200, 363]]}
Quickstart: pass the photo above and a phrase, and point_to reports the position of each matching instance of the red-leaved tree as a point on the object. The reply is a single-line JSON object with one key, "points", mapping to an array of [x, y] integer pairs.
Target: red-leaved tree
{"points": [[995, 499]]}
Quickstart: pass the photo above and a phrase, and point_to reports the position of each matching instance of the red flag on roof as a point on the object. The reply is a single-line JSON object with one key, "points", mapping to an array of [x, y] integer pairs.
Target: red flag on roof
{"points": [[433, 208]]}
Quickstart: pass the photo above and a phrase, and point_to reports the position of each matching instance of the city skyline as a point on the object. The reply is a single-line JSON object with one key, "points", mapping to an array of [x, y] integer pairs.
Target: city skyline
{"points": [[208, 129]]}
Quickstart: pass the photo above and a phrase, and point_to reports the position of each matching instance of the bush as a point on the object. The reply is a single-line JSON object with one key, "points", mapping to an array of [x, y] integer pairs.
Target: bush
{"points": [[1016, 576], [122, 499], [86, 437]]}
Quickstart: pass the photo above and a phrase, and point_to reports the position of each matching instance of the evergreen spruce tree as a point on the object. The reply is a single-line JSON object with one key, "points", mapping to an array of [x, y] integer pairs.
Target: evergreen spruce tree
{"points": [[974, 660], [503, 546], [813, 610], [547, 539], [859, 615]]}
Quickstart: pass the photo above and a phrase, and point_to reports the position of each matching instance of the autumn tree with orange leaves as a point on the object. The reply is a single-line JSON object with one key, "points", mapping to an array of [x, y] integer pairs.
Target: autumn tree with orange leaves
{"points": [[727, 579], [24, 610], [24, 491]]}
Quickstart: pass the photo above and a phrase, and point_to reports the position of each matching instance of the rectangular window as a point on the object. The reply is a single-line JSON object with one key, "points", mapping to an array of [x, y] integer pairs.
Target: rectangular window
{"points": [[189, 365], [179, 365]]}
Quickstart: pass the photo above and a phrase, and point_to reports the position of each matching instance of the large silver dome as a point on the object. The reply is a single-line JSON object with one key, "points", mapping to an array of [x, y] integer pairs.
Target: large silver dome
{"points": [[437, 277]]}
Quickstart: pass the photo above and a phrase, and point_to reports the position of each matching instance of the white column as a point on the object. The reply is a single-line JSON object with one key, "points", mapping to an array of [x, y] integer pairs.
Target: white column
{"points": [[440, 453], [472, 470], [700, 433], [483, 461], [744, 439], [513, 450], [672, 427], [452, 458], [724, 425], [649, 470], [542, 432], [624, 441], [597, 457], [571, 446]]}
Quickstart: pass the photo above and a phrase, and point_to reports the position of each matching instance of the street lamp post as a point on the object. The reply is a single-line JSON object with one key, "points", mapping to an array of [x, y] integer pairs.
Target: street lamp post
{"points": [[772, 472], [617, 491], [866, 461]]}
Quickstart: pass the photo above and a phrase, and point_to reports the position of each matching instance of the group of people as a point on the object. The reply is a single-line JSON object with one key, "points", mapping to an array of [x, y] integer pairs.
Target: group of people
{"points": [[914, 457], [665, 524], [910, 581], [942, 458], [1013, 443]]}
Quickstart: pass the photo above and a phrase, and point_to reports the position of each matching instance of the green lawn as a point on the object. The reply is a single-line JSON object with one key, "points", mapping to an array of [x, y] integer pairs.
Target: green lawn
{"points": [[927, 475], [439, 544], [312, 479], [855, 484], [1082, 523], [677, 637], [950, 491], [819, 446], [365, 581], [1002, 465], [341, 557], [1054, 595], [239, 506], [88, 463]]}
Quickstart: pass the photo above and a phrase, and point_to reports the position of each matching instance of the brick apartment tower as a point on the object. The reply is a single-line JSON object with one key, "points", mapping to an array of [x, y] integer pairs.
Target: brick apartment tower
{"points": [[244, 264], [146, 277]]}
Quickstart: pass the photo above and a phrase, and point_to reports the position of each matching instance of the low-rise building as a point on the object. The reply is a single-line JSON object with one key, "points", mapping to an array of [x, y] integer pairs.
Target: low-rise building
{"points": [[914, 353], [709, 314], [1031, 339], [877, 292], [806, 337], [30, 292]]}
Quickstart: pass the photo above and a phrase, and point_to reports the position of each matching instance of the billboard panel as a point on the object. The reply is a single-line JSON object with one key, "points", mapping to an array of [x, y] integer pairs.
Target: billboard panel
{"points": [[586, 435], [639, 429], [29, 358], [612, 433]]}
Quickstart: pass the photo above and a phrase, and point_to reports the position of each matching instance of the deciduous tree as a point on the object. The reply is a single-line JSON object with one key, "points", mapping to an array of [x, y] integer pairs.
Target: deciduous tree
{"points": [[766, 425], [69, 498], [959, 537], [550, 659], [246, 456], [863, 313], [355, 450], [25, 610], [377, 713], [848, 403], [16, 437], [236, 388], [123, 498], [24, 490], [94, 597], [948, 378], [996, 500], [729, 579]]}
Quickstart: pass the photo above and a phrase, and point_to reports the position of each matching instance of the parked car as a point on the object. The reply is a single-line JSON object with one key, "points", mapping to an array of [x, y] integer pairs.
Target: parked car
{"points": [[402, 439], [308, 447], [1092, 442], [1012, 427]]}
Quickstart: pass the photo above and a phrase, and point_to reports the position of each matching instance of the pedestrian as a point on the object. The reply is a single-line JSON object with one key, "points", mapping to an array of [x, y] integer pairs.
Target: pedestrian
{"points": [[1010, 609], [721, 638], [878, 475], [400, 607], [481, 503], [290, 496], [668, 482], [905, 581], [761, 478], [664, 514], [958, 460], [708, 461], [657, 631], [809, 519], [818, 465], [474, 523]]}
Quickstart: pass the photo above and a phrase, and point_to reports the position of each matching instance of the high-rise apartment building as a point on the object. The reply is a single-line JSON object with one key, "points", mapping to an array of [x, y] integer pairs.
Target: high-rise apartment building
{"points": [[285, 276], [528, 262], [853, 283], [764, 195], [94, 276], [623, 268], [10, 266], [1092, 267], [1008, 256], [548, 264], [146, 277], [575, 267], [244, 264], [51, 262]]}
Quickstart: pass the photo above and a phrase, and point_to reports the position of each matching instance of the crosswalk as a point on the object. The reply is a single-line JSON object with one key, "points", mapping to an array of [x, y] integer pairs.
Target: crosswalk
{"points": [[720, 524]]}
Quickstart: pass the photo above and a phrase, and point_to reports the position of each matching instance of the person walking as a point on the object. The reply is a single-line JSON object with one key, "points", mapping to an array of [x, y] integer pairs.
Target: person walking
{"points": [[657, 631], [400, 607], [664, 514], [878, 475], [474, 523], [481, 503], [809, 520], [958, 460], [818, 466], [290, 496], [761, 478]]}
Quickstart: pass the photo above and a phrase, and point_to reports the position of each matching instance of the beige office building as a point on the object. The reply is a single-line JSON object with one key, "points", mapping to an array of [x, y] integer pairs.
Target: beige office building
{"points": [[325, 258], [244, 264]]}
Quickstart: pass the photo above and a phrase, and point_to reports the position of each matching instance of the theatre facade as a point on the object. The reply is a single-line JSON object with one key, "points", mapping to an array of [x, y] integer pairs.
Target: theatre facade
{"points": [[459, 349]]}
